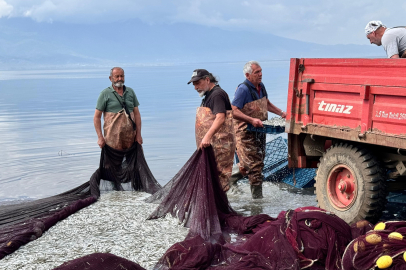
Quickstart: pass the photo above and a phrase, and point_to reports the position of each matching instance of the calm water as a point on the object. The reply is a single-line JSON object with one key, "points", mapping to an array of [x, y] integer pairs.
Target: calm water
{"points": [[48, 143]]}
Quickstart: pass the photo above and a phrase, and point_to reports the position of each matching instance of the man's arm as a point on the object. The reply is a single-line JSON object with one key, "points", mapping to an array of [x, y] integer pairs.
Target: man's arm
{"points": [[239, 115], [273, 109], [97, 126], [218, 122], [397, 55], [137, 120]]}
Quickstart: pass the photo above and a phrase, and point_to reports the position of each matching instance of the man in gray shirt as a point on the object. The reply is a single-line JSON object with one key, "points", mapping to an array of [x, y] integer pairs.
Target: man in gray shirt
{"points": [[393, 39]]}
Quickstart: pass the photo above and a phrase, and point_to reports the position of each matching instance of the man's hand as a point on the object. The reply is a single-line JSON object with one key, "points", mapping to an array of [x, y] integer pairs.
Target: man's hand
{"points": [[205, 142], [138, 138], [283, 115], [97, 125], [101, 142], [256, 122]]}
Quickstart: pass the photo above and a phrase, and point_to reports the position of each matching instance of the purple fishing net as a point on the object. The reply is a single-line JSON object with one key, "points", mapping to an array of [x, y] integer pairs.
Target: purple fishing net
{"points": [[123, 170], [365, 250], [304, 238], [24, 222], [307, 237], [219, 238], [194, 195], [100, 261]]}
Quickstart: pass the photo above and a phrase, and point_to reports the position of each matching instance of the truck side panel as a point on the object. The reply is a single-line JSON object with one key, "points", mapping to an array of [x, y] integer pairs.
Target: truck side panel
{"points": [[362, 100]]}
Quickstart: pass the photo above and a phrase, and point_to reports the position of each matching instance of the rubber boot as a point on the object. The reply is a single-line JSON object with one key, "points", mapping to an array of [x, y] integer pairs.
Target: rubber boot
{"points": [[235, 176], [256, 191]]}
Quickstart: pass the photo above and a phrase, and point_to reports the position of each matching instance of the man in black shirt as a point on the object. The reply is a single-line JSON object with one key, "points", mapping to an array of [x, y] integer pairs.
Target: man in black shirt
{"points": [[214, 122]]}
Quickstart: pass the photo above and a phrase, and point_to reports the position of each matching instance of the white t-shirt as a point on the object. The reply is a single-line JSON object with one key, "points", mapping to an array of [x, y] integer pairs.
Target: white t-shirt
{"points": [[394, 41]]}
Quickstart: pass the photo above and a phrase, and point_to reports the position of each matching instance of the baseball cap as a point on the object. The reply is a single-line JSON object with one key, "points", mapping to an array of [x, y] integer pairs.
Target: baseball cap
{"points": [[372, 26], [198, 74]]}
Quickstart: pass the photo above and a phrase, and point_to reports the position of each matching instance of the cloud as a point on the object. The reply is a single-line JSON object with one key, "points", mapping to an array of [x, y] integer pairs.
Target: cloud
{"points": [[319, 21], [5, 9]]}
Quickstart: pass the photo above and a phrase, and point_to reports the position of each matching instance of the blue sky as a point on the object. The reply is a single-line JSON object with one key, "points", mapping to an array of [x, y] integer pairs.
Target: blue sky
{"points": [[318, 21]]}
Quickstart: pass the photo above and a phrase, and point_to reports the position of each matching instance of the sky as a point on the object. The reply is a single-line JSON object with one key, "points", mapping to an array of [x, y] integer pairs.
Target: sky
{"points": [[317, 21]]}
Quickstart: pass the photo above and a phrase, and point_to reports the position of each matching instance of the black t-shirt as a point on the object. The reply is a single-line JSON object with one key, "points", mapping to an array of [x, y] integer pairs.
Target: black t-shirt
{"points": [[217, 100]]}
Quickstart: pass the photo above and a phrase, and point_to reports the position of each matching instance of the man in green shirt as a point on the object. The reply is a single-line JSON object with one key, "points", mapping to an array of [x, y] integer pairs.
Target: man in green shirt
{"points": [[122, 119]]}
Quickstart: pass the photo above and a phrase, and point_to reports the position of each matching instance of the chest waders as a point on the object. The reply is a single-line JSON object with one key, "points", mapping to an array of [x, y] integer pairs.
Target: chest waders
{"points": [[223, 141], [251, 145], [119, 128]]}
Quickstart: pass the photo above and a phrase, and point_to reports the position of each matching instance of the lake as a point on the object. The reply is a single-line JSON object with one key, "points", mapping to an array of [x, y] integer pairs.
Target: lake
{"points": [[48, 143]]}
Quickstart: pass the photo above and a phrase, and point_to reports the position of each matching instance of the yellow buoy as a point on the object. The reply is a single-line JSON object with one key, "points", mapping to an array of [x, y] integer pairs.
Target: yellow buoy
{"points": [[373, 238], [380, 226], [384, 262], [395, 235]]}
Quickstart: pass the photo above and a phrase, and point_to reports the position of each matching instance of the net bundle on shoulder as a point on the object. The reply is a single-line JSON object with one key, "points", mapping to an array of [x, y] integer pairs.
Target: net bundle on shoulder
{"points": [[119, 170]]}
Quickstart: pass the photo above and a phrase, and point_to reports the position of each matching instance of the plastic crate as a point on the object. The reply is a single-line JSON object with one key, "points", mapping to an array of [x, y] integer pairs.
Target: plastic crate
{"points": [[266, 129], [276, 166]]}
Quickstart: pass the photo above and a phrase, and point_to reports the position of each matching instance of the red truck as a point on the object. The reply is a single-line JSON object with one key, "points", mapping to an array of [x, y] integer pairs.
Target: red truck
{"points": [[347, 118]]}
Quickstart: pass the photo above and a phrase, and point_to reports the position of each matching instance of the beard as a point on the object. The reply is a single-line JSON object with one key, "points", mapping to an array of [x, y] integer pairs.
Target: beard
{"points": [[118, 84], [201, 93]]}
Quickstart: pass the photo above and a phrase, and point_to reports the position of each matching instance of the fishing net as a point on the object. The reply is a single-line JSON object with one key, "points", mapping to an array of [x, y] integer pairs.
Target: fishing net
{"points": [[123, 170], [100, 261], [194, 195], [382, 247], [119, 170], [219, 238], [303, 238]]}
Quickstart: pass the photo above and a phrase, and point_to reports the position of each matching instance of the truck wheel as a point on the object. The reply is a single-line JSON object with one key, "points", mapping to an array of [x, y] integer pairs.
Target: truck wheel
{"points": [[351, 184]]}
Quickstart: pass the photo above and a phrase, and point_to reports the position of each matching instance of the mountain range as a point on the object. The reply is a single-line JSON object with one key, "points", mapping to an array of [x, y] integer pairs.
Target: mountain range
{"points": [[25, 44]]}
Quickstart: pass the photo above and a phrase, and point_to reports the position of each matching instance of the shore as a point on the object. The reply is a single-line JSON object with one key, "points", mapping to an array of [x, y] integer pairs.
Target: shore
{"points": [[117, 224]]}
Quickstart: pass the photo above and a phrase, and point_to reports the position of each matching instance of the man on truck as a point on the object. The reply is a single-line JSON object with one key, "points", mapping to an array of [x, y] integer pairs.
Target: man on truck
{"points": [[393, 39], [251, 105]]}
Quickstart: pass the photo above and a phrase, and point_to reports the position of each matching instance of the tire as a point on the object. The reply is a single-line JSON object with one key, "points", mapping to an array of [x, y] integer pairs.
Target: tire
{"points": [[351, 183]]}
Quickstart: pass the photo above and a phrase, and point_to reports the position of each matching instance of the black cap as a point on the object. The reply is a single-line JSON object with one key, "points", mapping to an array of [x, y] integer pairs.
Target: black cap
{"points": [[198, 74]]}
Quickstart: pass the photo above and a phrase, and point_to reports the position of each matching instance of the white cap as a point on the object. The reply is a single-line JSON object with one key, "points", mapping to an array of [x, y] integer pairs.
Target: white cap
{"points": [[372, 26]]}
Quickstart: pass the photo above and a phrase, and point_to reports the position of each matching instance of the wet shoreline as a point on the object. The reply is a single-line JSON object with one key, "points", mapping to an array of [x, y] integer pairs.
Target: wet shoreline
{"points": [[117, 224]]}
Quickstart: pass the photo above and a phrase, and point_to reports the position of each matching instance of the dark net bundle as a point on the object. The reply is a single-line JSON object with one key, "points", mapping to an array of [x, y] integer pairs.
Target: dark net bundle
{"points": [[24, 222], [194, 195], [305, 238], [319, 238], [123, 170], [383, 247], [99, 261]]}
